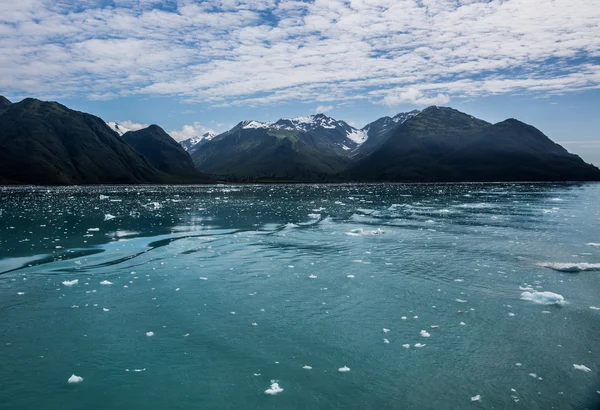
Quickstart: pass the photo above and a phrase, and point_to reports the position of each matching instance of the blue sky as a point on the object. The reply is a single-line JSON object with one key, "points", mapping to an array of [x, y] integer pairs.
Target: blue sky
{"points": [[192, 66]]}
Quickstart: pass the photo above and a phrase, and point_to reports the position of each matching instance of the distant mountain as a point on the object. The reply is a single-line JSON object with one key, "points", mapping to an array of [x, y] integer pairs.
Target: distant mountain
{"points": [[163, 152], [47, 143], [296, 149], [380, 130], [193, 143], [443, 144]]}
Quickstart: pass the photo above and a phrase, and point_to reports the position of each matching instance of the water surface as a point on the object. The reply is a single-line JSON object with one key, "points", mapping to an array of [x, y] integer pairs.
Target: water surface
{"points": [[245, 286]]}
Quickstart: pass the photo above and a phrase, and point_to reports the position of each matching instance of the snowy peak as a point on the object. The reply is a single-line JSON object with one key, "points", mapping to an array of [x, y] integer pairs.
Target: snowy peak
{"points": [[312, 123], [119, 129], [403, 116], [191, 143]]}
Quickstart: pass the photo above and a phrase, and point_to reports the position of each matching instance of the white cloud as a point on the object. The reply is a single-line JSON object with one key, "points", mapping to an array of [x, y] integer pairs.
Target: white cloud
{"points": [[133, 126], [223, 52], [188, 131], [414, 96], [322, 109]]}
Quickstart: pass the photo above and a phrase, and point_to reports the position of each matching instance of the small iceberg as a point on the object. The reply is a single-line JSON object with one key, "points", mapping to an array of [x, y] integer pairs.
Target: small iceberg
{"points": [[424, 333], [307, 367], [476, 398], [71, 282], [108, 217], [543, 298], [149, 334], [274, 389], [582, 368], [344, 369], [105, 282], [75, 379], [570, 267]]}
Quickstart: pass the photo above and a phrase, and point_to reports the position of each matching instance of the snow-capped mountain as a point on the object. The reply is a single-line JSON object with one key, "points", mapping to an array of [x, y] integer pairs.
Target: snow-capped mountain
{"points": [[347, 136], [191, 144], [117, 127], [379, 130]]}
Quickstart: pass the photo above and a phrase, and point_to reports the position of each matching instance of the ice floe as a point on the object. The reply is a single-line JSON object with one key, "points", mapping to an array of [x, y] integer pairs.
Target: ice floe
{"points": [[582, 368], [108, 217], [570, 267], [71, 282], [476, 398], [149, 334], [362, 232], [420, 345], [312, 276], [386, 341], [461, 301], [406, 346], [597, 245], [543, 298], [425, 333], [75, 379], [594, 308], [274, 389], [307, 367], [344, 369], [385, 330], [106, 282]]}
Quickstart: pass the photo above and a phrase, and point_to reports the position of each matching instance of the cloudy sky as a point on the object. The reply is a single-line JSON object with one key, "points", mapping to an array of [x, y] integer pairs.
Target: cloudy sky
{"points": [[191, 66]]}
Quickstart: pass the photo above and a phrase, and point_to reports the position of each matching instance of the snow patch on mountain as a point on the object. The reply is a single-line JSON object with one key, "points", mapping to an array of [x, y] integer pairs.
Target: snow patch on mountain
{"points": [[190, 143], [119, 129], [358, 136]]}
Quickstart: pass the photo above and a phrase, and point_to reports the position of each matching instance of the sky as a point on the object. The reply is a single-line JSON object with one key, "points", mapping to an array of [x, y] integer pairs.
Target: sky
{"points": [[194, 66]]}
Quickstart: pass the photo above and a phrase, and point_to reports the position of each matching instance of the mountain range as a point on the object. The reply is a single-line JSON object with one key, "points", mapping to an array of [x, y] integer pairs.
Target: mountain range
{"points": [[47, 143]]}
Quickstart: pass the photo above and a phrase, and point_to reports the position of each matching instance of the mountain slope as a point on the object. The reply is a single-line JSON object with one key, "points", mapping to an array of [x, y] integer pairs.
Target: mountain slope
{"points": [[162, 151], [381, 129], [191, 144], [298, 149], [4, 104], [443, 144], [254, 154], [47, 143]]}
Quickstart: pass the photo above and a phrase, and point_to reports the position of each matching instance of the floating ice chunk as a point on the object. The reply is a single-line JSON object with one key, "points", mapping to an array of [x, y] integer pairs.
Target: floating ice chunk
{"points": [[570, 267], [459, 280], [518, 364], [350, 276], [75, 379], [152, 206], [344, 369], [307, 367], [386, 341], [435, 326], [476, 398], [203, 278], [139, 370], [424, 333], [71, 282], [254, 324], [149, 334], [533, 375], [462, 324], [461, 301], [582, 368], [274, 389], [597, 245], [403, 318], [313, 276], [362, 232], [20, 293], [176, 289], [233, 313], [406, 346], [543, 298], [105, 309], [510, 314], [106, 282], [385, 330], [93, 229], [108, 217], [415, 317], [420, 345], [594, 308]]}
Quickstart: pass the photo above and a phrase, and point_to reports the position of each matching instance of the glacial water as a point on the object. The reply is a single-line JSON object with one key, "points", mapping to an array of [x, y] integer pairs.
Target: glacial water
{"points": [[300, 297]]}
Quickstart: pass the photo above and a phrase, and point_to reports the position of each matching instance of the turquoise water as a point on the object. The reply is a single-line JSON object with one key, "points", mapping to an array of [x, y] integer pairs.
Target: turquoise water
{"points": [[246, 286]]}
